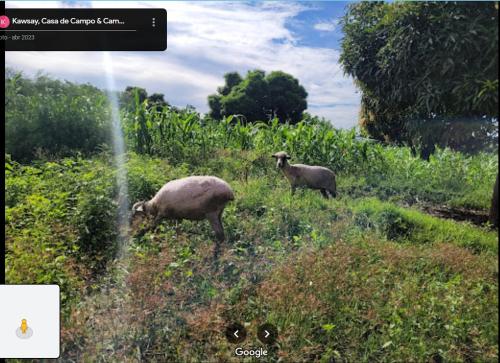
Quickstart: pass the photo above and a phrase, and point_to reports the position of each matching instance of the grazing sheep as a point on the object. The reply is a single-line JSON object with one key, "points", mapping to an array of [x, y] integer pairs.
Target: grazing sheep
{"points": [[193, 198], [313, 177]]}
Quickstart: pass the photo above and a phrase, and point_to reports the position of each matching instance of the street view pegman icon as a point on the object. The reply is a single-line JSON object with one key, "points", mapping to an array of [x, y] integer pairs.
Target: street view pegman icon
{"points": [[24, 331], [24, 326]]}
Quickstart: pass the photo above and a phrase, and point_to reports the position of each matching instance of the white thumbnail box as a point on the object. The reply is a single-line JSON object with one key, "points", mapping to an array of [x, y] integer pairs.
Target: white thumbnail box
{"points": [[29, 321]]}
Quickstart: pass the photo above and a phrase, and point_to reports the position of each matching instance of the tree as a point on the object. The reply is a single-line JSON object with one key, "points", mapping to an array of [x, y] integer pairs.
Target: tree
{"points": [[49, 117], [137, 95], [215, 106], [232, 79], [157, 100], [128, 97], [286, 97], [421, 61], [259, 97], [248, 98]]}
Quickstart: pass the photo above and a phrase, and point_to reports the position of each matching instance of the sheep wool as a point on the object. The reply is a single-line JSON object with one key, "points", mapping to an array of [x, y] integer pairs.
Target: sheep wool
{"points": [[192, 198]]}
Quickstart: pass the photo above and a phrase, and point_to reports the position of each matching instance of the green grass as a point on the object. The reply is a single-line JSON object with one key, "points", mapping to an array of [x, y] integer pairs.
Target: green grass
{"points": [[351, 279], [415, 227], [363, 300]]}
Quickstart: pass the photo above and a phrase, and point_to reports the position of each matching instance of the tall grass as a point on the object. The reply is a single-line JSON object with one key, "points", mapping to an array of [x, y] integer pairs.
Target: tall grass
{"points": [[180, 136], [366, 167]]}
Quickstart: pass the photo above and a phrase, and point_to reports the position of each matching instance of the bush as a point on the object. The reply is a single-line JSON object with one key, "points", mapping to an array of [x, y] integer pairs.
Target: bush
{"points": [[47, 117], [96, 223]]}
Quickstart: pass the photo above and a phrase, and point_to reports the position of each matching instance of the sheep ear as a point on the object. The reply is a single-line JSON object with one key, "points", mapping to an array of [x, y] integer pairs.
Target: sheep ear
{"points": [[138, 208], [288, 157], [273, 155]]}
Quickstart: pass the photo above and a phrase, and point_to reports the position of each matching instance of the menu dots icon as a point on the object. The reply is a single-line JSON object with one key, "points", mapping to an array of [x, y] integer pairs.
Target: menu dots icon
{"points": [[24, 331]]}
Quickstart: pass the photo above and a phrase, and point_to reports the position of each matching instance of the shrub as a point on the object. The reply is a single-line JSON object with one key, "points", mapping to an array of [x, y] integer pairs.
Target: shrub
{"points": [[44, 116]]}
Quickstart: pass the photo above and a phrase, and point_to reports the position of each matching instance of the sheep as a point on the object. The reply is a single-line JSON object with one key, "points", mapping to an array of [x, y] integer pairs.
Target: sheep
{"points": [[313, 177], [192, 198]]}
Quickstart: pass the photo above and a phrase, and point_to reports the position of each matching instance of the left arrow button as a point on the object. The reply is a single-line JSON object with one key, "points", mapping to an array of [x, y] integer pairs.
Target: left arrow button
{"points": [[235, 333]]}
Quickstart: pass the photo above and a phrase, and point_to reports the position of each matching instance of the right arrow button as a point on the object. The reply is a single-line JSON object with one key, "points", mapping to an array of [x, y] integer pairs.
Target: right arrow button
{"points": [[267, 333]]}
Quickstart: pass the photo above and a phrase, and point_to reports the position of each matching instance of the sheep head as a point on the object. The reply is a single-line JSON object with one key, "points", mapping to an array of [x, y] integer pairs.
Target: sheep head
{"points": [[138, 209], [281, 159], [140, 214]]}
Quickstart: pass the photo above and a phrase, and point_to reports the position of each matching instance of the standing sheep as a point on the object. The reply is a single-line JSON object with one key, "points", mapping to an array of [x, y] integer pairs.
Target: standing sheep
{"points": [[313, 177], [193, 198]]}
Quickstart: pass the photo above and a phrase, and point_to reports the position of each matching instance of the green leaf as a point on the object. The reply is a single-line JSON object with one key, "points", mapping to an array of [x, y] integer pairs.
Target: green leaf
{"points": [[328, 327]]}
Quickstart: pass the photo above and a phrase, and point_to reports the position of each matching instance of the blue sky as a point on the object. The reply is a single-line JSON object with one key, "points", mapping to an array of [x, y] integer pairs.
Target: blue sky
{"points": [[208, 39], [318, 26]]}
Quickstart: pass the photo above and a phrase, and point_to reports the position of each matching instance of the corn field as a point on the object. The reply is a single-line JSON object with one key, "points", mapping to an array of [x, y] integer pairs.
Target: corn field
{"points": [[186, 137], [178, 136]]}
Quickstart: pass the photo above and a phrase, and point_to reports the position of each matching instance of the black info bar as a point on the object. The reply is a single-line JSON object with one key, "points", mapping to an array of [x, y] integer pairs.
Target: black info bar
{"points": [[84, 29]]}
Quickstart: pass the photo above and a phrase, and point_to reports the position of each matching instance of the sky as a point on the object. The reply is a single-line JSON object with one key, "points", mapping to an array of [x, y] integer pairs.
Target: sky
{"points": [[208, 39]]}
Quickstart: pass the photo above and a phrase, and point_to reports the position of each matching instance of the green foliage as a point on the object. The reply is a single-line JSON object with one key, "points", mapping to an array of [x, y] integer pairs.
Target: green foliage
{"points": [[364, 167], [231, 79], [187, 137], [62, 218], [417, 60], [95, 220], [157, 100], [287, 99], [259, 97], [132, 96], [145, 177], [328, 273], [44, 116], [406, 225], [449, 177]]}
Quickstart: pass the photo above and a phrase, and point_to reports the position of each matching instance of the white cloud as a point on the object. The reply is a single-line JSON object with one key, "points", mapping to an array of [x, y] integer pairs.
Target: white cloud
{"points": [[206, 40], [327, 26]]}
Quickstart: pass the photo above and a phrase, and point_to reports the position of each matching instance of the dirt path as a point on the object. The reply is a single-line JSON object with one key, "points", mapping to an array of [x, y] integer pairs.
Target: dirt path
{"points": [[477, 217]]}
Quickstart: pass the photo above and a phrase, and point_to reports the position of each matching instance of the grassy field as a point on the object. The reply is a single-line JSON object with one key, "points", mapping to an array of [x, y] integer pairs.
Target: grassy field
{"points": [[366, 277]]}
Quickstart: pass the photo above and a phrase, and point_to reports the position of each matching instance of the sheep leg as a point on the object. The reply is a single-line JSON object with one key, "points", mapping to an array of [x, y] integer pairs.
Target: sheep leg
{"points": [[324, 193], [333, 188], [156, 221], [216, 223], [293, 189]]}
